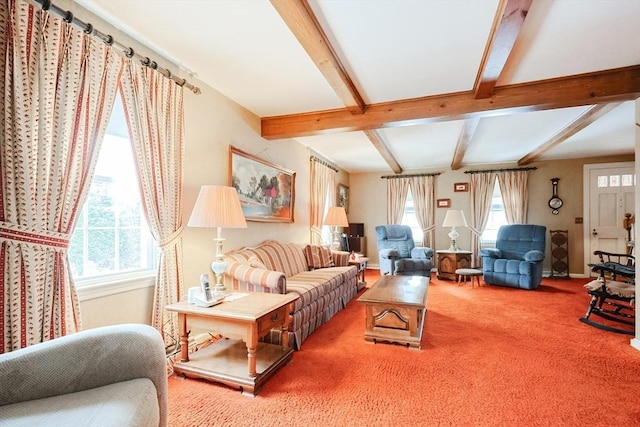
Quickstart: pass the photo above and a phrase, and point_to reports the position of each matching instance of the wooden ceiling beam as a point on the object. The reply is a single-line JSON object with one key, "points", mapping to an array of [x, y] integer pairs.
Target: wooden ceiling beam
{"points": [[620, 84], [382, 146], [466, 135], [299, 17], [504, 33], [582, 121]]}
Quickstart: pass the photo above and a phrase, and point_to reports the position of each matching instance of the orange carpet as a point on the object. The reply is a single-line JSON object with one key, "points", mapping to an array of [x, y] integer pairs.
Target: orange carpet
{"points": [[491, 356]]}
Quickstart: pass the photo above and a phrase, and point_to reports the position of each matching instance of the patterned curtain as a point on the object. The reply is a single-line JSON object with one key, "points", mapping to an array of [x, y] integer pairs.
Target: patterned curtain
{"points": [[515, 195], [154, 113], [58, 86], [481, 190], [323, 180], [397, 190], [423, 192]]}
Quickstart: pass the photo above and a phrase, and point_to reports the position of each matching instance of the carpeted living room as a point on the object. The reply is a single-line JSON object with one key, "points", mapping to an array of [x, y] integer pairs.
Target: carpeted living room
{"points": [[319, 212], [491, 356]]}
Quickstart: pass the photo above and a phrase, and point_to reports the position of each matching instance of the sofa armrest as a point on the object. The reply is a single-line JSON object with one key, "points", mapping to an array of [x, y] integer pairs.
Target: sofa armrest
{"points": [[421, 252], [340, 258], [84, 361], [272, 281], [490, 253], [534, 256], [388, 253]]}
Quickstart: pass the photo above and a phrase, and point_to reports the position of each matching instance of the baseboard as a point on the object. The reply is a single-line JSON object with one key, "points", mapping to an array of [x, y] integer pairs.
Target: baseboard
{"points": [[635, 343]]}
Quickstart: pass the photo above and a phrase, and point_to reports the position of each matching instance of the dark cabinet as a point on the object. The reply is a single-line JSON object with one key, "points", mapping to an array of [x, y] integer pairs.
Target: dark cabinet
{"points": [[559, 254]]}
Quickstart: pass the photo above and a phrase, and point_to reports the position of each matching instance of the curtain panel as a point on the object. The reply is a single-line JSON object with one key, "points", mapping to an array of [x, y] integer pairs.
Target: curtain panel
{"points": [[154, 115], [515, 194], [58, 89], [397, 191], [323, 194], [481, 190], [423, 192]]}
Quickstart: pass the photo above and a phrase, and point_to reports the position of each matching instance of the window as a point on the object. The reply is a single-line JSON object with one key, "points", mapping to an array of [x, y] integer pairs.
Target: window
{"points": [[111, 235], [409, 218], [497, 217]]}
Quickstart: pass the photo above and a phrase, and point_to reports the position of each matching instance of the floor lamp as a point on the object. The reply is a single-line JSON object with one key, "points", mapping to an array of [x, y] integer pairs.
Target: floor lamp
{"points": [[218, 207], [454, 219], [336, 217]]}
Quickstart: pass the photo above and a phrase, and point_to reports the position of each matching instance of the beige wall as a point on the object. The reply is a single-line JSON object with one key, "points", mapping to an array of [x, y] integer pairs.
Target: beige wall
{"points": [[368, 203]]}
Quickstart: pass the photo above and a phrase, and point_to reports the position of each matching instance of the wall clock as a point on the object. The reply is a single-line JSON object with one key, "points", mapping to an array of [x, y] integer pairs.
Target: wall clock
{"points": [[555, 202]]}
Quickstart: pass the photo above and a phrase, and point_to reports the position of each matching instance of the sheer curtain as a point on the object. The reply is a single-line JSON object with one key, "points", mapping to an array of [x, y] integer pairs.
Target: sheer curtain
{"points": [[397, 190], [154, 113], [423, 192], [515, 195], [481, 190], [323, 181], [58, 89]]}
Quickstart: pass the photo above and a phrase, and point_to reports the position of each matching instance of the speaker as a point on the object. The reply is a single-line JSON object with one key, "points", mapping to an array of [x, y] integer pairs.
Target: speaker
{"points": [[356, 229]]}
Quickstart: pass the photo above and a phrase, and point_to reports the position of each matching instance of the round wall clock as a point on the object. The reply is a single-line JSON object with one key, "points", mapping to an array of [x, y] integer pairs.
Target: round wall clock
{"points": [[555, 202]]}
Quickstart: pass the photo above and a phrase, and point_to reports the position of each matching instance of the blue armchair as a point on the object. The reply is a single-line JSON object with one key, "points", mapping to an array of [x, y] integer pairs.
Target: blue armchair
{"points": [[398, 254], [517, 258]]}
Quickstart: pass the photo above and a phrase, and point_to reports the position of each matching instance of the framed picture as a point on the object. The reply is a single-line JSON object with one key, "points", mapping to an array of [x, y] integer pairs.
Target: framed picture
{"points": [[342, 198], [266, 190], [444, 203], [461, 186]]}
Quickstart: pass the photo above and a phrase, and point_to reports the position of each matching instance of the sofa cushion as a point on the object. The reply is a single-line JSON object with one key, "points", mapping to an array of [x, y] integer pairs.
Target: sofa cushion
{"points": [[318, 257], [128, 403], [285, 257]]}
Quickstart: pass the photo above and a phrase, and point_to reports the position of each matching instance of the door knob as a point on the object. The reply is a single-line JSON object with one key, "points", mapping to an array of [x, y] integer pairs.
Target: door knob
{"points": [[594, 233]]}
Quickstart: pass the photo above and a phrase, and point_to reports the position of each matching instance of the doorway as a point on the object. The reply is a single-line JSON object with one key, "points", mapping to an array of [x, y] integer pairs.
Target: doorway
{"points": [[609, 194]]}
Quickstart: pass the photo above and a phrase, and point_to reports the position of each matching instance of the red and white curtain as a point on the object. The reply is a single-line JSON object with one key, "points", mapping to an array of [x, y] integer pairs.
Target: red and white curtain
{"points": [[154, 112], [57, 88]]}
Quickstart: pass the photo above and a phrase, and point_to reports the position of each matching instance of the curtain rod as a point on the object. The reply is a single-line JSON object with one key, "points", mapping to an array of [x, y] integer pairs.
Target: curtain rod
{"points": [[68, 17], [532, 168], [322, 162], [410, 176]]}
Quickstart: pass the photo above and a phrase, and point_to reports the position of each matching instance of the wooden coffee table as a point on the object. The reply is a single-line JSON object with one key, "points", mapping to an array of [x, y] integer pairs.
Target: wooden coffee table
{"points": [[238, 359], [395, 309]]}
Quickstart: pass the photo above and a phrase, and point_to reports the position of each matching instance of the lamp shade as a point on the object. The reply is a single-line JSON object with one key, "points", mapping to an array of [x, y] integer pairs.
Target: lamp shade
{"points": [[217, 206], [336, 217], [454, 218]]}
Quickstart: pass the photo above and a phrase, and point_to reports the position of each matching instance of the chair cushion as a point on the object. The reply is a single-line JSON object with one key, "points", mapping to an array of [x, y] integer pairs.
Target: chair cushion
{"points": [[128, 403]]}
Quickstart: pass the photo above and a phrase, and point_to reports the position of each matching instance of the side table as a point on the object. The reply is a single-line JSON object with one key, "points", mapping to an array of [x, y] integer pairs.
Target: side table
{"points": [[450, 261], [238, 359], [361, 263]]}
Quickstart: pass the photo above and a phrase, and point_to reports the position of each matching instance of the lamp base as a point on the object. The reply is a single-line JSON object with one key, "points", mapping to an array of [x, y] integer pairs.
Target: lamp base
{"points": [[219, 268]]}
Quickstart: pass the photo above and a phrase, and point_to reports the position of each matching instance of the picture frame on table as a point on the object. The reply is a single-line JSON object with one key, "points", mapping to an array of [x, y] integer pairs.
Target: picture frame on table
{"points": [[443, 203], [266, 190], [461, 187], [342, 197]]}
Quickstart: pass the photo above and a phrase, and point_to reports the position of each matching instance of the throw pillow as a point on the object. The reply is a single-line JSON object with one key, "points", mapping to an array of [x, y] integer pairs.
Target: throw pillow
{"points": [[318, 257]]}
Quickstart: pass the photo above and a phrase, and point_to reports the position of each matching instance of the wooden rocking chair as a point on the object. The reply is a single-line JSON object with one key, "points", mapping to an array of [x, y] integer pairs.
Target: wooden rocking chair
{"points": [[612, 293]]}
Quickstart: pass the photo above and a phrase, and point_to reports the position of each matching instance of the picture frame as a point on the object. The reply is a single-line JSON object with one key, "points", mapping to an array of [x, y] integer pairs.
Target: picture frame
{"points": [[266, 190], [342, 197], [461, 187], [443, 203]]}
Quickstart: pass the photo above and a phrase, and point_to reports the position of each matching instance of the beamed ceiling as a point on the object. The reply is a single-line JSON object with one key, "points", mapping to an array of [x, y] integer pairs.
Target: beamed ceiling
{"points": [[384, 85]]}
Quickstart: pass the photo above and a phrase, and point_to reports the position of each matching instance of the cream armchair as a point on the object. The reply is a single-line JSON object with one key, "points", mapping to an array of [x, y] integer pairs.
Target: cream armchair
{"points": [[110, 376]]}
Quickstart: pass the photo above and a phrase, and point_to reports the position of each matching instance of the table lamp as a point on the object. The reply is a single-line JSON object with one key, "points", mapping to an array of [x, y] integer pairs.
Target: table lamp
{"points": [[453, 219], [218, 207], [336, 217]]}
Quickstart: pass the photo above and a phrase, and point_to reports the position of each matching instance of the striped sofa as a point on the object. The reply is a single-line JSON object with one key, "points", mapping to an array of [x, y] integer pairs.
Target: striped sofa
{"points": [[278, 267]]}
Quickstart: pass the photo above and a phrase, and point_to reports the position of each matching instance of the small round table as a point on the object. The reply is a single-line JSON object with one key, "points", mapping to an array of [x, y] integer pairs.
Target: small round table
{"points": [[469, 272]]}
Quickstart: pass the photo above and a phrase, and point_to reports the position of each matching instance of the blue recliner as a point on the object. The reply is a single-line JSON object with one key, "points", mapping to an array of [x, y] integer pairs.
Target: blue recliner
{"points": [[517, 258], [398, 255]]}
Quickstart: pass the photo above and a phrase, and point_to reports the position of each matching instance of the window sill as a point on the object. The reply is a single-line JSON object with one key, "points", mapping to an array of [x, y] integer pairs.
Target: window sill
{"points": [[106, 286]]}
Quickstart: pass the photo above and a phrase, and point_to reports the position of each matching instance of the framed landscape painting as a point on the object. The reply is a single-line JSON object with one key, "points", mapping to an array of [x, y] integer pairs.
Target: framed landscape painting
{"points": [[266, 190], [342, 197]]}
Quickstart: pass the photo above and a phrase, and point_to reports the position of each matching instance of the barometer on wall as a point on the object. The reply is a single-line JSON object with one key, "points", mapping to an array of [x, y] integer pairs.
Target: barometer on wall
{"points": [[555, 202]]}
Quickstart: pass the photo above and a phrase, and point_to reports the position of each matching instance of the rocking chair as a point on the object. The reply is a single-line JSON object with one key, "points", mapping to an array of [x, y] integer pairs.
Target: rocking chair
{"points": [[613, 292]]}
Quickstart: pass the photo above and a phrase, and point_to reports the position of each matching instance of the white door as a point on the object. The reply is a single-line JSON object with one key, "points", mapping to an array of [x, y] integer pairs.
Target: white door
{"points": [[611, 189]]}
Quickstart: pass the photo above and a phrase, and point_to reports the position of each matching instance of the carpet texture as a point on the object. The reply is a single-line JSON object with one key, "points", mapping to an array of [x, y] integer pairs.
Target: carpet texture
{"points": [[491, 356]]}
